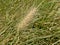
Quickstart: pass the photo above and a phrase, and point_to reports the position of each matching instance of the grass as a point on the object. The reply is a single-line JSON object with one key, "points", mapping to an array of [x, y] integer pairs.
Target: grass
{"points": [[40, 26]]}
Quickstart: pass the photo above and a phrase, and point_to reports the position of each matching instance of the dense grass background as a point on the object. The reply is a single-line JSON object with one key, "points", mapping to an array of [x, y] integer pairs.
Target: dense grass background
{"points": [[44, 29]]}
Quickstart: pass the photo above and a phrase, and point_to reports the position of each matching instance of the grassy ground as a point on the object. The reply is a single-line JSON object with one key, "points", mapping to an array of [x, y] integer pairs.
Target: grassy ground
{"points": [[30, 22]]}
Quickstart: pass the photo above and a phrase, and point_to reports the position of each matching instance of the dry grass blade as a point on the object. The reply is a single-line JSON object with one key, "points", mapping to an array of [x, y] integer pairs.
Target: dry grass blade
{"points": [[56, 42]]}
